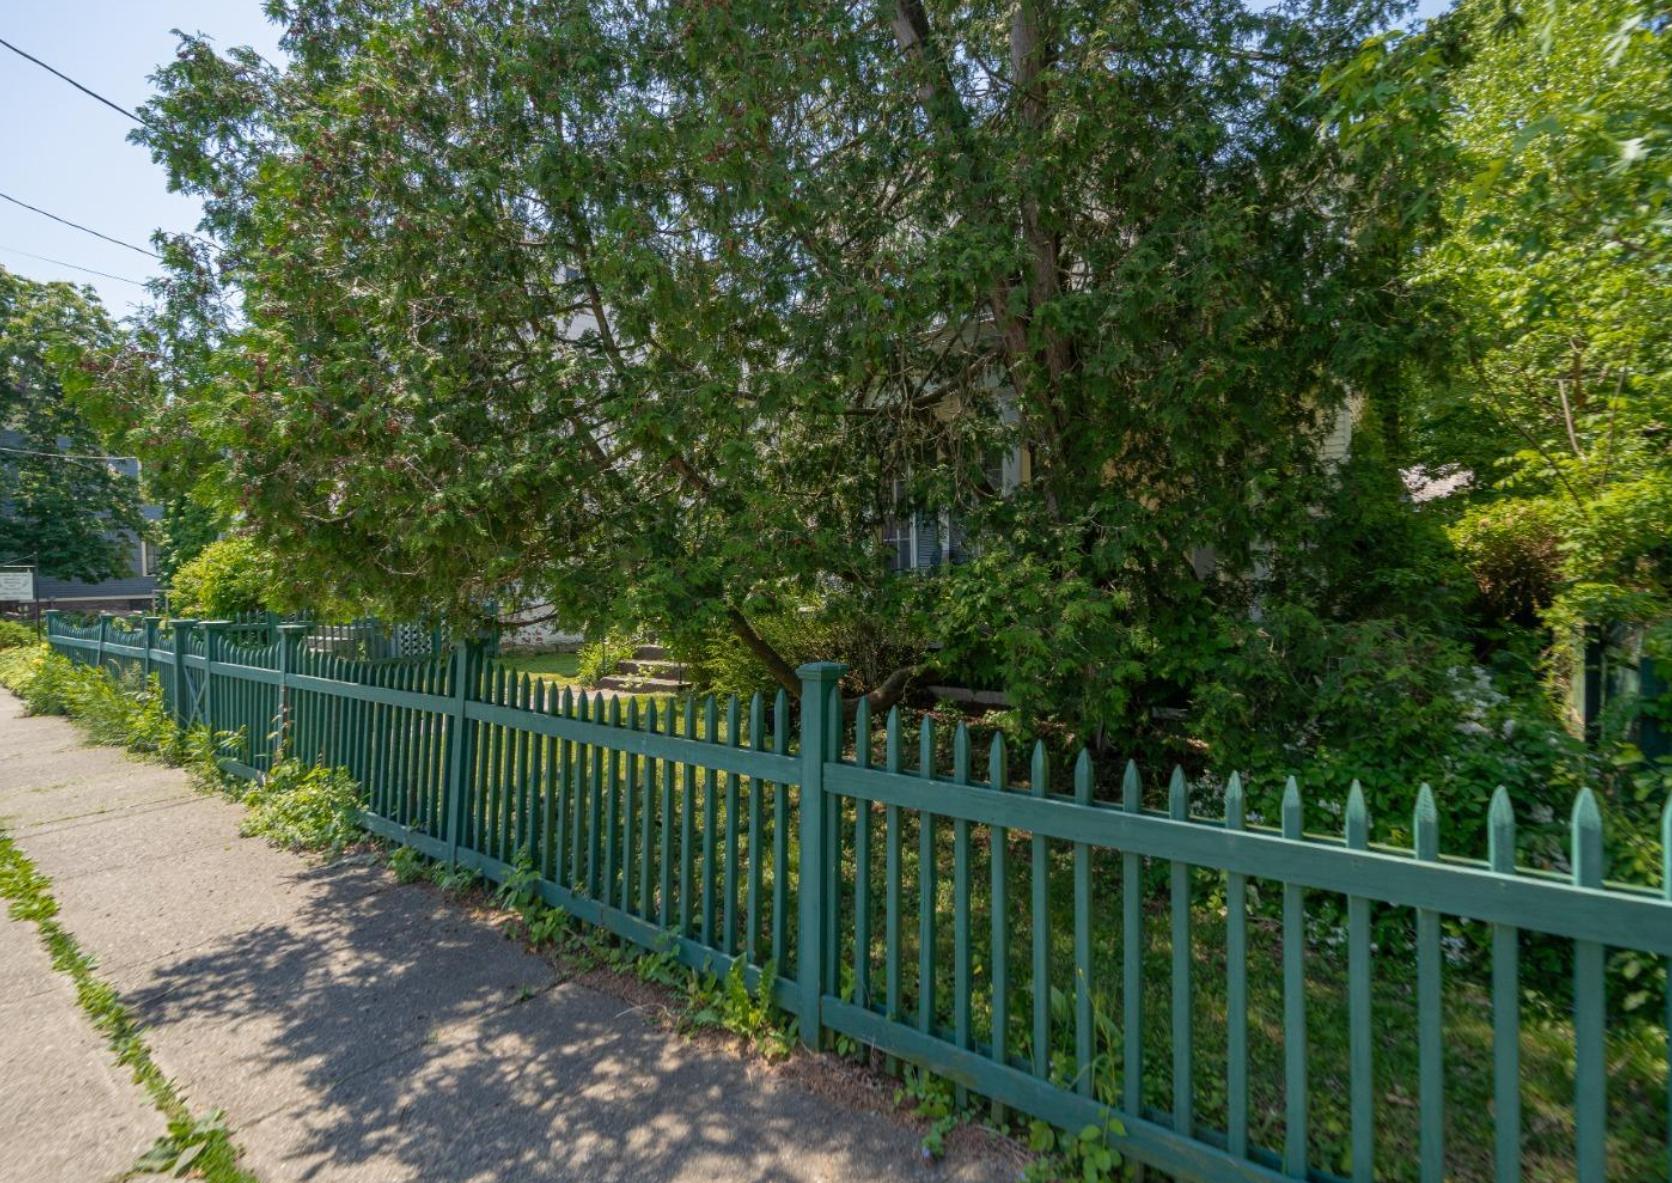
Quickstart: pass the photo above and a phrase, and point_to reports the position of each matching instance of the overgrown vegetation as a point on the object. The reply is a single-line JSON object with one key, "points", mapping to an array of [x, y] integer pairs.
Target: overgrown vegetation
{"points": [[195, 1146]]}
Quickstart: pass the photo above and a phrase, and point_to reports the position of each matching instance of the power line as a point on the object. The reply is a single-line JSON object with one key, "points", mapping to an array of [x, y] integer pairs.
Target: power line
{"points": [[79, 226], [66, 455], [138, 283], [118, 108]]}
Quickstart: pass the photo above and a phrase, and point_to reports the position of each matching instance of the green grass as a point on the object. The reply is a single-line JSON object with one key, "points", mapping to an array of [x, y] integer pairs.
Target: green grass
{"points": [[199, 1146], [562, 668]]}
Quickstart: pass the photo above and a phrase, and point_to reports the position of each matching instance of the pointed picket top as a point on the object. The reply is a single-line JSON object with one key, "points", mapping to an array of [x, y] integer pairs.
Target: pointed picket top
{"points": [[633, 714], [1426, 824], [1358, 818], [1500, 832], [1236, 803], [1178, 796], [961, 754], [499, 684], [1040, 770], [734, 720], [1587, 840], [1132, 789], [568, 701], [862, 733], [650, 715], [1082, 777], [891, 740], [926, 746], [525, 691], [997, 763], [615, 711], [689, 719], [710, 719], [540, 693], [757, 720], [1293, 816], [583, 705]]}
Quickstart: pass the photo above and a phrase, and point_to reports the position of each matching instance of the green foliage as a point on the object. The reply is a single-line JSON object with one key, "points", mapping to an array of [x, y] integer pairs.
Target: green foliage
{"points": [[15, 634], [873, 631], [932, 1101], [803, 324], [597, 659], [729, 1004], [304, 807], [66, 512], [408, 865], [226, 578], [127, 712], [1513, 549], [1087, 1156]]}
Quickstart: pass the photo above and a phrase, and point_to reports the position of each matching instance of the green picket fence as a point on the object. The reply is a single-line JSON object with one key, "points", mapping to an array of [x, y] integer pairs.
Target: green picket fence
{"points": [[979, 923]]}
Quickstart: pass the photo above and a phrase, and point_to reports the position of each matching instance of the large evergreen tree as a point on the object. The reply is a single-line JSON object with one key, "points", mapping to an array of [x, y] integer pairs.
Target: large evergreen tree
{"points": [[650, 309]]}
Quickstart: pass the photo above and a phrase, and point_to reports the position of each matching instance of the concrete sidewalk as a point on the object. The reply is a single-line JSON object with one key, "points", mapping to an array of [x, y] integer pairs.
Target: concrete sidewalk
{"points": [[354, 1029]]}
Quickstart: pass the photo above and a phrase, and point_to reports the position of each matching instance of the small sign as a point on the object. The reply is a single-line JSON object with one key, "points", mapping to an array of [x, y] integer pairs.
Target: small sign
{"points": [[17, 585]]}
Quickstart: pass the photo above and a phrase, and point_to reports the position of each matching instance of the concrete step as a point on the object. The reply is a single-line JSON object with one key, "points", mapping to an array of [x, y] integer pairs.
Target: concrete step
{"points": [[628, 684], [650, 653]]}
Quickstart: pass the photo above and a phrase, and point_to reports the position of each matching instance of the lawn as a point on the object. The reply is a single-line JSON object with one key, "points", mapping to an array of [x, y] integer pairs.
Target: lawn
{"points": [[561, 668]]}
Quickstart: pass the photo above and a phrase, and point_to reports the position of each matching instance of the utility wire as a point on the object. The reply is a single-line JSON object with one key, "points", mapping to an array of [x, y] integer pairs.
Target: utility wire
{"points": [[66, 455], [118, 108], [72, 266], [77, 225]]}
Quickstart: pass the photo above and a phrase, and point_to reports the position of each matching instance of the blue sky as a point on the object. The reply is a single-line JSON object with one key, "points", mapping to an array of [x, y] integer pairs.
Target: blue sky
{"points": [[65, 152]]}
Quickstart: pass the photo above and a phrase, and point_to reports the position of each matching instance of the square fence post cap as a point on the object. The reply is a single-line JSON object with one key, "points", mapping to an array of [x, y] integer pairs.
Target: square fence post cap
{"points": [[294, 629], [215, 626], [822, 671]]}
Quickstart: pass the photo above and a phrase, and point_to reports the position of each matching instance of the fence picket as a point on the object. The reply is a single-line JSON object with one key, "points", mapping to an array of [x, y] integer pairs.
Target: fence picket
{"points": [[1590, 1078], [1506, 1003], [1361, 1085], [1430, 1003], [1236, 985], [1178, 809], [1000, 866], [1294, 1002], [862, 863]]}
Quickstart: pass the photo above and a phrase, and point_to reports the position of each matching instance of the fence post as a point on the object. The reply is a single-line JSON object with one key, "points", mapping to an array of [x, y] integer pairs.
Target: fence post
{"points": [[213, 630], [289, 635], [104, 633], [182, 683], [818, 744], [151, 623], [51, 616], [459, 758]]}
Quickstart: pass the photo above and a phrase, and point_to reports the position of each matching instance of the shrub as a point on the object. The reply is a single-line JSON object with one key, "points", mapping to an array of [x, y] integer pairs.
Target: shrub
{"points": [[226, 578], [597, 659], [14, 634], [871, 631], [304, 807], [1513, 550]]}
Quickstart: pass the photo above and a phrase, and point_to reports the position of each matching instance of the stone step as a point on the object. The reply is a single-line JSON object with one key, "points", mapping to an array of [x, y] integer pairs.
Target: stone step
{"points": [[651, 668], [650, 653], [627, 684]]}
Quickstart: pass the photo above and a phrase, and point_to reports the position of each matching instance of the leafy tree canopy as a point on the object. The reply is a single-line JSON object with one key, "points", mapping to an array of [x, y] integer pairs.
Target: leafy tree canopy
{"points": [[649, 310], [61, 508]]}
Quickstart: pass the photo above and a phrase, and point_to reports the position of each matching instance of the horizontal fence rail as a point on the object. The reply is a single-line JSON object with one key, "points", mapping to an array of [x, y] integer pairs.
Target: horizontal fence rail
{"points": [[1003, 927]]}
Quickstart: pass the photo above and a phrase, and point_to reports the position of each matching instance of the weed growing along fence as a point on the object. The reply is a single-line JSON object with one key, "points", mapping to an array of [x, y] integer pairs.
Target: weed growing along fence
{"points": [[1003, 935]]}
